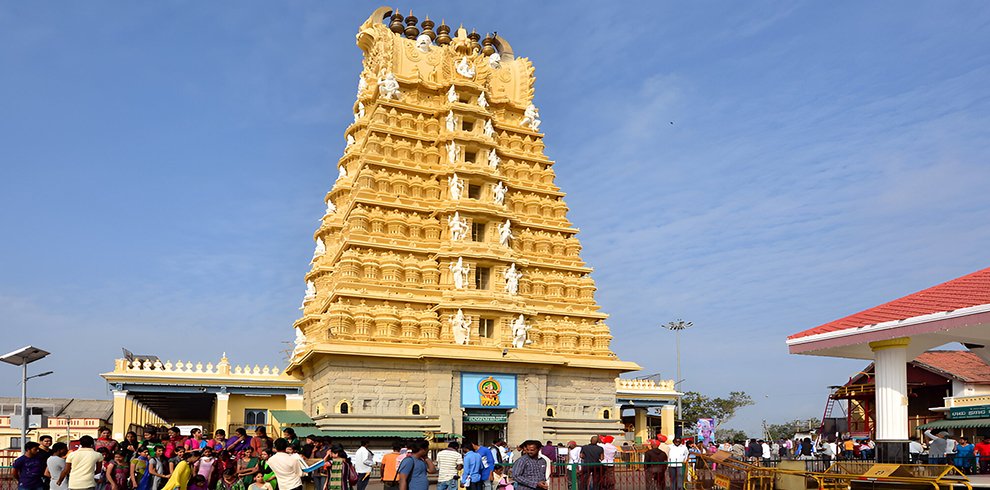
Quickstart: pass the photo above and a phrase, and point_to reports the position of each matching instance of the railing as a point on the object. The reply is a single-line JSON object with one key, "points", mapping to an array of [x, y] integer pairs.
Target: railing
{"points": [[819, 465], [612, 476], [7, 481], [222, 368]]}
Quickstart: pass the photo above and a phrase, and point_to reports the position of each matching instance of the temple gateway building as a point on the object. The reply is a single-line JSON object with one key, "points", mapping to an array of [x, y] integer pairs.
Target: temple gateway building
{"points": [[447, 293]]}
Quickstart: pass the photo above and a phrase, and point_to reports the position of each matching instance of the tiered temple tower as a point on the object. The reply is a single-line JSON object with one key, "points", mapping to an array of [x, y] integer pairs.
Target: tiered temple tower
{"points": [[446, 256]]}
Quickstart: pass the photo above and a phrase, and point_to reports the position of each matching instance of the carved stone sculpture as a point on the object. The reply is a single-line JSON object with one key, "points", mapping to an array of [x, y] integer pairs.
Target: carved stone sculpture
{"points": [[451, 121], [493, 159], [452, 152], [489, 129], [520, 333], [299, 344], [498, 193], [512, 277], [360, 112], [456, 187], [350, 141], [505, 233], [458, 227], [321, 248], [388, 87], [483, 101], [331, 208], [495, 61], [451, 95], [423, 43], [531, 118], [341, 172], [464, 68], [459, 272], [460, 325], [362, 85], [310, 290]]}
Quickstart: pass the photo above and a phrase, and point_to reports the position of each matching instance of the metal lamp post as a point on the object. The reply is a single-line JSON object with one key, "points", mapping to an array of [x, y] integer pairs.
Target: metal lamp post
{"points": [[22, 357], [677, 326]]}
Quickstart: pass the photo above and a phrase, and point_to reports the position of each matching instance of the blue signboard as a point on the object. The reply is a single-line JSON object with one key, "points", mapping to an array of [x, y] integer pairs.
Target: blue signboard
{"points": [[483, 390]]}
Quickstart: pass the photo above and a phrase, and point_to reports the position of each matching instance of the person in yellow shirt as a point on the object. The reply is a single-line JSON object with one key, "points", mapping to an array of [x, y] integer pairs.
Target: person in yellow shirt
{"points": [[183, 472]]}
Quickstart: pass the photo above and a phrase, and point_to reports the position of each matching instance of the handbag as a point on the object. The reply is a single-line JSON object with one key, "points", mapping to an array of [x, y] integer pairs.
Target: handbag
{"points": [[352, 475]]}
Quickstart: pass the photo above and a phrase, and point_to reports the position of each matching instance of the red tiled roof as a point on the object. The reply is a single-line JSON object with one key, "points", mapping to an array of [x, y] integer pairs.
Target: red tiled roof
{"points": [[960, 364], [963, 292]]}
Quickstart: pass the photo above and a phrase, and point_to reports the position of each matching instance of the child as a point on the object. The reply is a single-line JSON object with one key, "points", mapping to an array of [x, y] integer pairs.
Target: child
{"points": [[259, 483], [198, 483], [205, 465], [499, 479], [229, 481], [118, 472]]}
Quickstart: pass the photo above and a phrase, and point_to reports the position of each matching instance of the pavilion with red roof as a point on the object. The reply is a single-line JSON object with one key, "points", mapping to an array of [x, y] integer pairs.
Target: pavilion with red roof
{"points": [[896, 332]]}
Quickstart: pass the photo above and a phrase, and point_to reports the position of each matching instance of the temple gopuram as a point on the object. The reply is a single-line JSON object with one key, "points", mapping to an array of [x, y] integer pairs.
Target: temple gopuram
{"points": [[447, 293]]}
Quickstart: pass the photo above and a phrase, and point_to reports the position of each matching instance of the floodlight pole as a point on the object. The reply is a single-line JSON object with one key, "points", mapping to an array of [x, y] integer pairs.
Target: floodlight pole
{"points": [[677, 326], [24, 404]]}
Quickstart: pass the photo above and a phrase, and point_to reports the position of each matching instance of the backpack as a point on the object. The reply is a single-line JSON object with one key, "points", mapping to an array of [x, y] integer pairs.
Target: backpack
{"points": [[352, 474]]}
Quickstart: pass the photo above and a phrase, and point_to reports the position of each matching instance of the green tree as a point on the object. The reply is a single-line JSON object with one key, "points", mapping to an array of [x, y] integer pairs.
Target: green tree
{"points": [[697, 406], [788, 429], [730, 435]]}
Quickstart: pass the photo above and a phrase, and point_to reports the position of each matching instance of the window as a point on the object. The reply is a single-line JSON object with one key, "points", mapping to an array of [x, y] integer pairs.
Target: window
{"points": [[467, 126], [550, 412], [474, 191], [477, 232], [606, 414], [344, 408], [255, 416], [470, 157], [486, 328], [481, 276], [416, 409], [15, 443]]}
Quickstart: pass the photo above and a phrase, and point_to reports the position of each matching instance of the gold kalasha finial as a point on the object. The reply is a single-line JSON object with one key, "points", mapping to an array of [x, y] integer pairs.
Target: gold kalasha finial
{"points": [[474, 37], [443, 34], [395, 25], [488, 44], [428, 27], [411, 30]]}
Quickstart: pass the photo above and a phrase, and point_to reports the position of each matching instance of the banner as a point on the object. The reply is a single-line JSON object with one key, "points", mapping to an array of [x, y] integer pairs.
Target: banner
{"points": [[483, 390], [705, 428]]}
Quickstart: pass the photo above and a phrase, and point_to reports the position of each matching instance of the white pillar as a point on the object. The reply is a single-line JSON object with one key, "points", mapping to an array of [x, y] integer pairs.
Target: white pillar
{"points": [[890, 366]]}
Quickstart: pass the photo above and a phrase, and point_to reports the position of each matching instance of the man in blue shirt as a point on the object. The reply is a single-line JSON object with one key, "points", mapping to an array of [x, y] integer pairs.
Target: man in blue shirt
{"points": [[487, 464], [473, 465], [414, 467], [29, 468]]}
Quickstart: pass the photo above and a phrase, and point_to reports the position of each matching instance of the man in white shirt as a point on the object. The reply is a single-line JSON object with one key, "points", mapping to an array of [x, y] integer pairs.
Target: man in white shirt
{"points": [[364, 461], [449, 462], [915, 449], [56, 463], [80, 466], [288, 468], [676, 457]]}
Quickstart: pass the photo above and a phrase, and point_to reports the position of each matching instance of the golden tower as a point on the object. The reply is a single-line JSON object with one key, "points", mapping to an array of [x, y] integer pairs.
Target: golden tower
{"points": [[446, 249]]}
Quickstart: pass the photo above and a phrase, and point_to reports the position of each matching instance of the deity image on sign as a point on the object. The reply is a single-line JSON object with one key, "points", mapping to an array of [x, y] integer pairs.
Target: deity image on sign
{"points": [[362, 85], [341, 172], [489, 129], [456, 187], [531, 118], [493, 159], [512, 277], [483, 101], [495, 61], [331, 208], [498, 193], [452, 152], [299, 343], [464, 69], [505, 233], [451, 95], [451, 122], [350, 141], [360, 112], [458, 227], [388, 87], [423, 43], [460, 325], [520, 333], [321, 248], [459, 272]]}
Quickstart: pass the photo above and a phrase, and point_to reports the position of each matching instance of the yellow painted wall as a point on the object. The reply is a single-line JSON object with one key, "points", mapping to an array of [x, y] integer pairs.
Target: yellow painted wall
{"points": [[239, 403]]}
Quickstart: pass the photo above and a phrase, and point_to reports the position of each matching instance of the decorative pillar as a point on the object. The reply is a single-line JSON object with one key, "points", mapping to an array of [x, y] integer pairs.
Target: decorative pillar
{"points": [[667, 413], [642, 427], [890, 367], [120, 420], [221, 414]]}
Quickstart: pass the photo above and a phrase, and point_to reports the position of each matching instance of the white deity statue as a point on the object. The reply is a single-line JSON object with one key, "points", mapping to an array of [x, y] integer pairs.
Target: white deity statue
{"points": [[360, 112], [520, 333], [512, 277], [423, 43], [531, 118], [310, 290], [456, 187], [505, 233], [299, 343], [483, 101], [321, 248], [388, 87], [464, 68], [341, 172], [498, 193], [493, 159], [362, 85], [350, 141], [460, 325], [458, 227], [452, 152], [331, 208], [495, 61], [459, 272], [451, 95], [451, 121], [489, 129]]}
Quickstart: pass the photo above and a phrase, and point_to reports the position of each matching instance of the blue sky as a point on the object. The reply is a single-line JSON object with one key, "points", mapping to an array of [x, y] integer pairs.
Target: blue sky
{"points": [[163, 166]]}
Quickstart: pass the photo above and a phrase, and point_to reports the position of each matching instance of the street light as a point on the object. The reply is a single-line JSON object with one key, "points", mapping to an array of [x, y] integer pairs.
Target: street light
{"points": [[22, 357], [676, 326]]}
